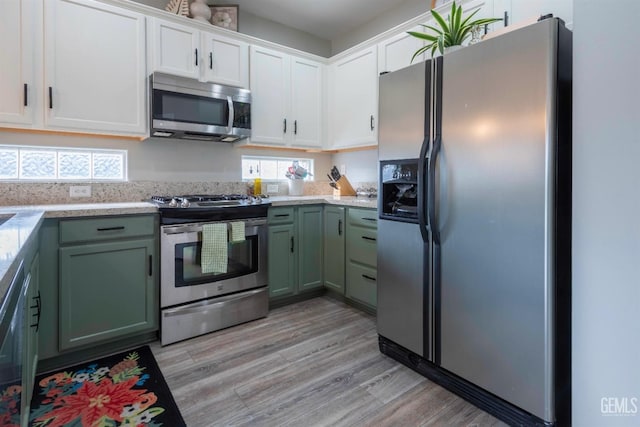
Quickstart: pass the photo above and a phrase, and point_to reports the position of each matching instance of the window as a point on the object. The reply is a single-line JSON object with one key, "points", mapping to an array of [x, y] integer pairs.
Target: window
{"points": [[273, 168], [24, 163]]}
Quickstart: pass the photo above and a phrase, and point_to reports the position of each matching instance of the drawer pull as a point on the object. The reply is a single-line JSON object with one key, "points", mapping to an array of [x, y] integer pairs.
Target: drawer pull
{"points": [[369, 277], [370, 219], [369, 238], [280, 215], [111, 228]]}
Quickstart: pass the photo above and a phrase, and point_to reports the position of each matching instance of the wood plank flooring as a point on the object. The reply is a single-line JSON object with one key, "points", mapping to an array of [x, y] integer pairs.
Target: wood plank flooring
{"points": [[314, 363]]}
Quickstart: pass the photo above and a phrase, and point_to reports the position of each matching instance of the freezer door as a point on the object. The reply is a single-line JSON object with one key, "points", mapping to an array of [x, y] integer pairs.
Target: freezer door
{"points": [[402, 309], [495, 216], [401, 113]]}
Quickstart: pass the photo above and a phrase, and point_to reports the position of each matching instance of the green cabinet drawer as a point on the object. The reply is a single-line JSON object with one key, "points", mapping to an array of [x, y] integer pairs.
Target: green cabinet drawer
{"points": [[361, 283], [106, 228], [363, 217], [284, 215], [362, 245]]}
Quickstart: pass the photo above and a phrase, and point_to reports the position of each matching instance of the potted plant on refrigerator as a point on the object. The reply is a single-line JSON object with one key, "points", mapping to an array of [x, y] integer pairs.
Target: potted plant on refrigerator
{"points": [[452, 31]]}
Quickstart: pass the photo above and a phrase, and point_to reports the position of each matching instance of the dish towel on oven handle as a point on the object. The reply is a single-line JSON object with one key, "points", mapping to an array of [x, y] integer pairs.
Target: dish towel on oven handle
{"points": [[213, 258], [237, 232]]}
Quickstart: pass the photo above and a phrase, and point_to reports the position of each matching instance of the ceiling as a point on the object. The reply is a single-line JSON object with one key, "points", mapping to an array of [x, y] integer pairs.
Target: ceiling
{"points": [[327, 19]]}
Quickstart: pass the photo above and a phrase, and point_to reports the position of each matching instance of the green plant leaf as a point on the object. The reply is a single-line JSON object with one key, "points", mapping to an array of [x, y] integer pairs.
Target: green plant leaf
{"points": [[419, 52], [440, 21], [422, 36]]}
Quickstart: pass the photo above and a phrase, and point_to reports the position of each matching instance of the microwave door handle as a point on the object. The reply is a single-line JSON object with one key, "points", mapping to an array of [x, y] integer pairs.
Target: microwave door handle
{"points": [[231, 114]]}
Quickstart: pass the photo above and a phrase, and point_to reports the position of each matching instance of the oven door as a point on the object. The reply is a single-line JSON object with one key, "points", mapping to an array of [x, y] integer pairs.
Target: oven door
{"points": [[181, 276]]}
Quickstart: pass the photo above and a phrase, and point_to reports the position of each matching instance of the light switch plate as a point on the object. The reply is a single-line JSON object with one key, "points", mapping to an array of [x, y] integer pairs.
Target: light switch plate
{"points": [[80, 191], [272, 188]]}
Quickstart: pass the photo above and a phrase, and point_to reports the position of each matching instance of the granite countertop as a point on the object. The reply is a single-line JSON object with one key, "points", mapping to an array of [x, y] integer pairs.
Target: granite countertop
{"points": [[359, 202], [86, 209], [17, 232]]}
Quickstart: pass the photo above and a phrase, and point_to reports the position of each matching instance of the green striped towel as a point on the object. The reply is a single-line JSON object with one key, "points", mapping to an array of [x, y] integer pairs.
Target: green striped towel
{"points": [[213, 258], [237, 232]]}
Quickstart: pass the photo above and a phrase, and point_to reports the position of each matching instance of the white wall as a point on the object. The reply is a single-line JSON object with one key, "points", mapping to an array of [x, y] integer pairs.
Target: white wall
{"points": [[606, 212], [361, 166], [397, 15], [157, 159], [266, 29]]}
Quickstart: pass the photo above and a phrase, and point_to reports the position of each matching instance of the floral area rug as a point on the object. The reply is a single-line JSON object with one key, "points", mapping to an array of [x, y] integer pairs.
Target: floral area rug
{"points": [[126, 389]]}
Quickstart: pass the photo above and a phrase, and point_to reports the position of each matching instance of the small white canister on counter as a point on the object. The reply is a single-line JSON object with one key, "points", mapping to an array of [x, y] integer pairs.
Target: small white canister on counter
{"points": [[296, 187]]}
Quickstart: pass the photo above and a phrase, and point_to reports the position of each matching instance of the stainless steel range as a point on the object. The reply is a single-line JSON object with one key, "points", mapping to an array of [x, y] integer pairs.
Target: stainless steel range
{"points": [[194, 301]]}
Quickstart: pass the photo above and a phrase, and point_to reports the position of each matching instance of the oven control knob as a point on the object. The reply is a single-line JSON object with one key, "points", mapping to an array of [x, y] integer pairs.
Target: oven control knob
{"points": [[184, 204], [173, 203]]}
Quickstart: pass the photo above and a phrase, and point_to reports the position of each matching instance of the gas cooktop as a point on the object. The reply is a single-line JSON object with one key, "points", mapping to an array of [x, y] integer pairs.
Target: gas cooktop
{"points": [[210, 207], [207, 200]]}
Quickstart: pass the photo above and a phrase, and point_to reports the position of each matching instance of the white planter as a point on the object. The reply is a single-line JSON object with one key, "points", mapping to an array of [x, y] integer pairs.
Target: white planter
{"points": [[296, 187]]}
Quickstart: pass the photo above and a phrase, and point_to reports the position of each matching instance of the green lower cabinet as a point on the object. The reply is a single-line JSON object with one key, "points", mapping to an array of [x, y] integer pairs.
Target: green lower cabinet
{"points": [[32, 325], [282, 260], [295, 250], [361, 255], [334, 248], [310, 242], [107, 290]]}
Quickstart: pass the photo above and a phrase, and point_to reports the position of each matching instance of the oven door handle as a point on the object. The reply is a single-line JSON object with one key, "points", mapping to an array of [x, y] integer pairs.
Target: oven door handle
{"points": [[196, 227]]}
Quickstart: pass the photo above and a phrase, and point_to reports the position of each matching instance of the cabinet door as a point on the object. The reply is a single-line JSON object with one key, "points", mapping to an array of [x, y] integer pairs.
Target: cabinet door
{"points": [[225, 61], [306, 102], [397, 51], [175, 49], [107, 291], [95, 67], [310, 233], [17, 62], [354, 104], [270, 94], [282, 266], [334, 248]]}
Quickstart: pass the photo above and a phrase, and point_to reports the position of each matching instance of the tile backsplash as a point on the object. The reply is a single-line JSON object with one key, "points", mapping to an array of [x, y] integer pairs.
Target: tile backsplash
{"points": [[43, 193]]}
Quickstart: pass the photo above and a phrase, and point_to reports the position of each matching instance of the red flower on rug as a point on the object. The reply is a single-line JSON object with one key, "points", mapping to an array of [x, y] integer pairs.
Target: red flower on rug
{"points": [[94, 401]]}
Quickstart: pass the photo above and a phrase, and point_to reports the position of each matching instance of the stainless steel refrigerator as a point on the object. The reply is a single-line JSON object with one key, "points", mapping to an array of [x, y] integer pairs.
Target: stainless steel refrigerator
{"points": [[474, 271]]}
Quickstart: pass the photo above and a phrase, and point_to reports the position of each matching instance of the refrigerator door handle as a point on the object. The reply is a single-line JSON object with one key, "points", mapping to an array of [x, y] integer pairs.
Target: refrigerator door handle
{"points": [[431, 201], [422, 167]]}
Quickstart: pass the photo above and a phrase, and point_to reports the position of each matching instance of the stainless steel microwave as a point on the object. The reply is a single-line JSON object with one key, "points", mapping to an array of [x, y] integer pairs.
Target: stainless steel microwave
{"points": [[189, 109]]}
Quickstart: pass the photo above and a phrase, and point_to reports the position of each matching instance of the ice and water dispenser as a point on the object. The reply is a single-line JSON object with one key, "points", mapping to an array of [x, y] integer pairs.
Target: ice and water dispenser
{"points": [[399, 187]]}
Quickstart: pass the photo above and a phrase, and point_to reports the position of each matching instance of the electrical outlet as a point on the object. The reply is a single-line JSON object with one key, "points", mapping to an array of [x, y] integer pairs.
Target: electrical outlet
{"points": [[343, 169], [272, 188], [80, 191]]}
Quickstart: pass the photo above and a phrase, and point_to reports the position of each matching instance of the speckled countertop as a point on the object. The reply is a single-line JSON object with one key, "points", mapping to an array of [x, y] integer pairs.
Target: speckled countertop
{"points": [[17, 233], [86, 209], [359, 202]]}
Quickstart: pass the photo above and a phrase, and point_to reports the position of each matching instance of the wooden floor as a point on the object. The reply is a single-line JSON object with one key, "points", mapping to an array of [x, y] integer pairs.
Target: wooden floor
{"points": [[314, 363]]}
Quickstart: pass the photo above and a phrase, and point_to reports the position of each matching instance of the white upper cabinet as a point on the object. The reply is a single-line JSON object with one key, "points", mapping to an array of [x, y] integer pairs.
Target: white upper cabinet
{"points": [[226, 60], [17, 78], [396, 52], [94, 67], [185, 51], [353, 105], [176, 49], [307, 87], [286, 107]]}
